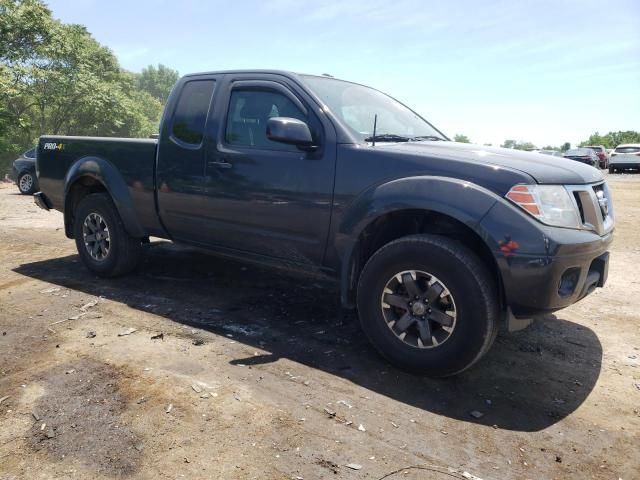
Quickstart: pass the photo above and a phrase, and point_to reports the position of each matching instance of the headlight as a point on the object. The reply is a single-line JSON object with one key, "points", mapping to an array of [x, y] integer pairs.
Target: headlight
{"points": [[551, 204]]}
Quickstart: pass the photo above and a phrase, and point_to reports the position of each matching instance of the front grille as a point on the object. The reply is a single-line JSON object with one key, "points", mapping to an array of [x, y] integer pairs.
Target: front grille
{"points": [[576, 197], [595, 207]]}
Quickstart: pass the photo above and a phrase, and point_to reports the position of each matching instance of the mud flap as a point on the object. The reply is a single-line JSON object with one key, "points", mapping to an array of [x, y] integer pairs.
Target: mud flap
{"points": [[515, 324]]}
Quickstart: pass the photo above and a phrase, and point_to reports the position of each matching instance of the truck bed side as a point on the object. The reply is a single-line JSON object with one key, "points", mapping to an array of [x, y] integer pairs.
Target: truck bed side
{"points": [[124, 167]]}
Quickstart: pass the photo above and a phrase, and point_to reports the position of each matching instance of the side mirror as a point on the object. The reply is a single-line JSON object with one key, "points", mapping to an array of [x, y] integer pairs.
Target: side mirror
{"points": [[290, 131]]}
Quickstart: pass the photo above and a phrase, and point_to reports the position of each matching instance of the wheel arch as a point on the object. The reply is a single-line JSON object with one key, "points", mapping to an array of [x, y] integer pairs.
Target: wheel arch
{"points": [[429, 205], [92, 175]]}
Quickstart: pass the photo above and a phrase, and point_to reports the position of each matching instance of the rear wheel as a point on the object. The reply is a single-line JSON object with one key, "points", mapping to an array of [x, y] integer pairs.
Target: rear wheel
{"points": [[26, 183], [612, 169], [428, 304], [101, 239]]}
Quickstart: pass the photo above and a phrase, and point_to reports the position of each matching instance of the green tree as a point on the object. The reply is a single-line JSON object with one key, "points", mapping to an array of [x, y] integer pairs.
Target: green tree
{"points": [[596, 139], [563, 148], [157, 82], [24, 27], [56, 79], [518, 145], [461, 138], [618, 138], [612, 139]]}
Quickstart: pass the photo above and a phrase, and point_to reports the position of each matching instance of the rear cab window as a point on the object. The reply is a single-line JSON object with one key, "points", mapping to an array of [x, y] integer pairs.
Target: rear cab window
{"points": [[191, 111]]}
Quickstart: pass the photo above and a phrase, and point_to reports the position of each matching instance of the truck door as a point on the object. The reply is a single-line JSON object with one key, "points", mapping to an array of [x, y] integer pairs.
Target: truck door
{"points": [[181, 162], [266, 197]]}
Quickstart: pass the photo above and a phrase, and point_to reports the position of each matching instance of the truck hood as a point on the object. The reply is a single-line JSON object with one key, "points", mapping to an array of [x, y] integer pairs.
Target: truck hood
{"points": [[543, 168]]}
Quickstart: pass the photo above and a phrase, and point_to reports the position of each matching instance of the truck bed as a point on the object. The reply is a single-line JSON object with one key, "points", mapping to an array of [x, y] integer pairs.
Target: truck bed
{"points": [[132, 158]]}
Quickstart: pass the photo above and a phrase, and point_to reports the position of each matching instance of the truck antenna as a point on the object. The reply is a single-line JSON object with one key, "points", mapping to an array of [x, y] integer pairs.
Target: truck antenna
{"points": [[375, 124]]}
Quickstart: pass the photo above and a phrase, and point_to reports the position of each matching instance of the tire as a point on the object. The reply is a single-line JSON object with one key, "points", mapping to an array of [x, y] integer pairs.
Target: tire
{"points": [[471, 291], [27, 183], [119, 253], [612, 170]]}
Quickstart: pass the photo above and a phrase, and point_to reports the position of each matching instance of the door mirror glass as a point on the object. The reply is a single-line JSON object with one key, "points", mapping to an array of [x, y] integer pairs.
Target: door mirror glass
{"points": [[290, 131]]}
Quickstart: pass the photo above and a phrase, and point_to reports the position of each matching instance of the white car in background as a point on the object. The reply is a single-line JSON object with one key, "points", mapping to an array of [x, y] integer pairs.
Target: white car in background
{"points": [[624, 157]]}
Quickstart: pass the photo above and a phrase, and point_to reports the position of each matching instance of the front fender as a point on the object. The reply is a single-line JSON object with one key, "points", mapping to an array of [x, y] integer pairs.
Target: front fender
{"points": [[464, 201], [105, 173], [457, 198]]}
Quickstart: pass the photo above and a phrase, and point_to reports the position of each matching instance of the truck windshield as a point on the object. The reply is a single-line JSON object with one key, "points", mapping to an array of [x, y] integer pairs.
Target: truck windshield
{"points": [[357, 106]]}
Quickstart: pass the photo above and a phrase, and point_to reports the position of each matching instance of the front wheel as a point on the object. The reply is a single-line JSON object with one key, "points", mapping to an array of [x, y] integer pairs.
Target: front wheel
{"points": [[101, 238], [428, 304]]}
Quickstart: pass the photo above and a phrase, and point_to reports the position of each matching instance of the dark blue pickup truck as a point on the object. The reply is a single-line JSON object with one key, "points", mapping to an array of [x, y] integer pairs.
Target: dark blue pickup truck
{"points": [[437, 243]]}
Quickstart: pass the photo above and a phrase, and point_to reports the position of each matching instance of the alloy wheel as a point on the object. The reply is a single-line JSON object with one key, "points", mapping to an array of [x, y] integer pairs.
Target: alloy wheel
{"points": [[419, 309], [95, 233], [26, 182]]}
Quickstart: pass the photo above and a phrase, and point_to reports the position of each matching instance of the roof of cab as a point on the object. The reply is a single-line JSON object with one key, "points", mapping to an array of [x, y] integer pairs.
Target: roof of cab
{"points": [[285, 73]]}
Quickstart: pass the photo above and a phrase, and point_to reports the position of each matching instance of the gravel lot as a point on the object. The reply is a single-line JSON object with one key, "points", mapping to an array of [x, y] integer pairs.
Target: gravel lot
{"points": [[262, 375]]}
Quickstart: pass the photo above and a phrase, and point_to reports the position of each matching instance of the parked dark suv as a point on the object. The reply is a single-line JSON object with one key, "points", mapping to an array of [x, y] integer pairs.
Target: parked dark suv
{"points": [[24, 172]]}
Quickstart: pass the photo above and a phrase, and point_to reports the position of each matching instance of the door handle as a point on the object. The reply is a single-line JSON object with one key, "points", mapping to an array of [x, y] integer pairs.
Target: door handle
{"points": [[222, 163]]}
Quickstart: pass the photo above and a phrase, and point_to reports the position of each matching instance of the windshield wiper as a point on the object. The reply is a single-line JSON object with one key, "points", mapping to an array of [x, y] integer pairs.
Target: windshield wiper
{"points": [[392, 137], [387, 137], [421, 138]]}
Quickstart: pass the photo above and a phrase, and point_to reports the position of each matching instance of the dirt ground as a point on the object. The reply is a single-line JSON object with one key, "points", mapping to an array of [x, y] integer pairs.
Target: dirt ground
{"points": [[259, 375]]}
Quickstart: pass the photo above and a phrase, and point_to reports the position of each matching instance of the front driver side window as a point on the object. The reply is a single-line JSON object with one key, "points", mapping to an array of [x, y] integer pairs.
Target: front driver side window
{"points": [[248, 113]]}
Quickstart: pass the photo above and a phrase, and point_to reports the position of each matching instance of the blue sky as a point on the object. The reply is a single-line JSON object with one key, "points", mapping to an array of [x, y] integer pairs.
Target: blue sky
{"points": [[543, 71]]}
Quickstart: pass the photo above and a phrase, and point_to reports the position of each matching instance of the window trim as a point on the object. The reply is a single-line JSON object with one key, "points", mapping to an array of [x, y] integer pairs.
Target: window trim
{"points": [[178, 141], [264, 86]]}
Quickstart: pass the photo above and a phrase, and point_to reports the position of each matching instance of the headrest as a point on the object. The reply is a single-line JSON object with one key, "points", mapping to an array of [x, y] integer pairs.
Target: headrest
{"points": [[256, 106]]}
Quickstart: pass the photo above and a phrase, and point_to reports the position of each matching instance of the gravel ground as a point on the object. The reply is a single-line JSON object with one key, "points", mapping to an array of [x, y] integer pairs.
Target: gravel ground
{"points": [[235, 372]]}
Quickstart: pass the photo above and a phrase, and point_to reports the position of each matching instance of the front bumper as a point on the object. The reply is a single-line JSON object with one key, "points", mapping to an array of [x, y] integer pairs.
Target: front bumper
{"points": [[540, 284], [542, 268]]}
